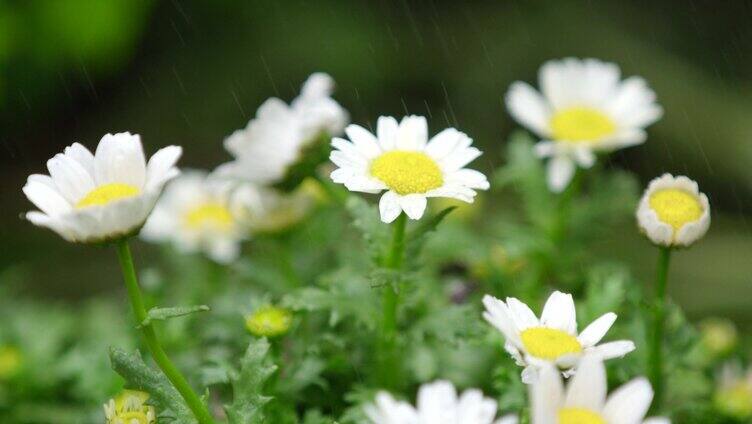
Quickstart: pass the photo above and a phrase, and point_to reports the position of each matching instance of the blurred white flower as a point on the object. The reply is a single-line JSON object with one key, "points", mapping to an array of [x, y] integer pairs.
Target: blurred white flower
{"points": [[437, 403], [266, 210], [673, 211], [195, 214], [277, 138], [584, 401], [553, 339], [401, 160], [92, 198], [583, 107]]}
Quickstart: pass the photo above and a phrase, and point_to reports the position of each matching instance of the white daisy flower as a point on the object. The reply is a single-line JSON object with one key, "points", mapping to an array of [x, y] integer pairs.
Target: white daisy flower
{"points": [[403, 161], [673, 211], [584, 401], [278, 137], [584, 108], [92, 198], [552, 339], [195, 214], [437, 403]]}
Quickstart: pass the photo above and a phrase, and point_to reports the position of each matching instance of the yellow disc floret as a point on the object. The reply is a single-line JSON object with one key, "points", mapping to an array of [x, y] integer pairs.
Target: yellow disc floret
{"points": [[407, 172], [581, 125], [107, 193], [129, 407], [549, 343], [209, 216], [269, 321], [676, 207], [579, 416]]}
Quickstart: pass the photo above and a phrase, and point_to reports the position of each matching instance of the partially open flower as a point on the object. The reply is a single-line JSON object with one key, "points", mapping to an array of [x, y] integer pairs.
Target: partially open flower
{"points": [[129, 407], [583, 107], [401, 161], [437, 402], [553, 339], [195, 214], [269, 321], [673, 211], [92, 198]]}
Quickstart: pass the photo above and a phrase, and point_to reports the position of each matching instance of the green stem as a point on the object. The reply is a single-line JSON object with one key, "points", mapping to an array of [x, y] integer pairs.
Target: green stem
{"points": [[159, 355], [332, 190], [393, 260], [655, 359]]}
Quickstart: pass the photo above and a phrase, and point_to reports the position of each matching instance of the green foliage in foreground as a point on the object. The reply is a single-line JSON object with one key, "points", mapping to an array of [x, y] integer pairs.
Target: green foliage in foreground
{"points": [[326, 271]]}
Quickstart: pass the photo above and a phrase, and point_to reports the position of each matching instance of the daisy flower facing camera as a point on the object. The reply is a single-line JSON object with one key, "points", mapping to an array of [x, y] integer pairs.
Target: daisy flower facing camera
{"points": [[584, 107], [129, 407], [673, 211], [437, 403], [535, 343], [282, 138], [98, 197], [584, 401], [401, 160], [195, 214]]}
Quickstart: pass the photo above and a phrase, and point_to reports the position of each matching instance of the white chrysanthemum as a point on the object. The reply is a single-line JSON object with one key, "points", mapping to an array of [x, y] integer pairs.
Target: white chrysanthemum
{"points": [[673, 211], [276, 138], [266, 210], [552, 339], [195, 214], [437, 403], [129, 408], [583, 107], [585, 402], [92, 198], [403, 161]]}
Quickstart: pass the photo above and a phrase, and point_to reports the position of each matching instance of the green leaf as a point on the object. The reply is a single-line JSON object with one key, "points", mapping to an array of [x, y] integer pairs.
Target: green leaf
{"points": [[166, 399], [366, 220], [161, 314], [247, 385]]}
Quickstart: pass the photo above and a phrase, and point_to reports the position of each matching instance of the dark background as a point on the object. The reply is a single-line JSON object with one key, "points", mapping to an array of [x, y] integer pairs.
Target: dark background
{"points": [[190, 72]]}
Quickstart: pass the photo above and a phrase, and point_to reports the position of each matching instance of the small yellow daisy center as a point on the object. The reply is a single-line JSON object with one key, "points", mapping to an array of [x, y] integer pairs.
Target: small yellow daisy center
{"points": [[736, 400], [107, 193], [549, 343], [269, 321], [579, 416], [407, 172], [134, 417], [676, 207], [581, 125], [129, 408], [209, 216]]}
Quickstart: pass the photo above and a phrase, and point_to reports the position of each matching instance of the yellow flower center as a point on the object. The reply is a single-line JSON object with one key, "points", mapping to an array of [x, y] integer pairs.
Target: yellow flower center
{"points": [[269, 321], [129, 408], [581, 125], [579, 416], [10, 362], [108, 193], [407, 172], [676, 207], [209, 216], [134, 417], [549, 343], [736, 400]]}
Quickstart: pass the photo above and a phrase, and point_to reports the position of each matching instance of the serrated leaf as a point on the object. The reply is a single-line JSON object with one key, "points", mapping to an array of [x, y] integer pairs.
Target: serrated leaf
{"points": [[161, 314], [247, 385], [163, 395]]}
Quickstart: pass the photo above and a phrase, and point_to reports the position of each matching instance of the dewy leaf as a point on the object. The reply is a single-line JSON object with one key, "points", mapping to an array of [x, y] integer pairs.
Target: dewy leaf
{"points": [[161, 314], [164, 397], [247, 385]]}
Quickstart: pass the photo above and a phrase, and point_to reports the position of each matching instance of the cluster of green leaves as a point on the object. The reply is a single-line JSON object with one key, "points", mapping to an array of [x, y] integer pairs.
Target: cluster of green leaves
{"points": [[521, 241]]}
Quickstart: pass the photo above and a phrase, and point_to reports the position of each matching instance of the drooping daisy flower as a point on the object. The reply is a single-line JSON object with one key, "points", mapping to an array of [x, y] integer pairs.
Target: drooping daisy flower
{"points": [[281, 137], [733, 396], [583, 108], [269, 321], [195, 214], [401, 160], [673, 211], [437, 403], [92, 198], [129, 408], [552, 339], [266, 210], [584, 401]]}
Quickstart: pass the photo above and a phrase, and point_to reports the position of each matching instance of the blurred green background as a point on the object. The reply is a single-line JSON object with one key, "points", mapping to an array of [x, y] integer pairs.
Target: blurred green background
{"points": [[190, 72]]}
